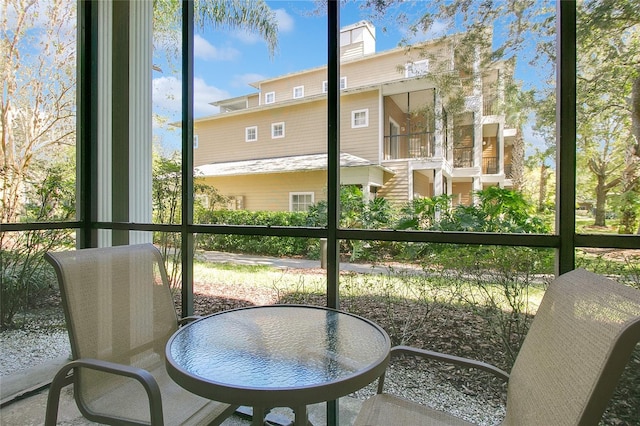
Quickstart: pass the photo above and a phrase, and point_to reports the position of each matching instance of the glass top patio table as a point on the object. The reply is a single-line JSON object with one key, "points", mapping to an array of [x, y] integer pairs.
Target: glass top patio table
{"points": [[277, 355]]}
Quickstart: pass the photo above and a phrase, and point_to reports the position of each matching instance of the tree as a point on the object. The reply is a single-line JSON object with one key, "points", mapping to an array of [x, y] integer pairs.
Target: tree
{"points": [[537, 164], [250, 15], [37, 111], [609, 98], [518, 105]]}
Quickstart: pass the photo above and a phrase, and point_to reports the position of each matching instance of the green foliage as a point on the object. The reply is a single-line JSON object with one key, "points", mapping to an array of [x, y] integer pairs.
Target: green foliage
{"points": [[25, 276], [425, 213], [255, 244], [497, 210]]}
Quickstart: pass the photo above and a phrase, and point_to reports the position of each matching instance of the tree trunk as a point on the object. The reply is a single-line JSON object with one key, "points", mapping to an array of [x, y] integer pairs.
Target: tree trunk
{"points": [[635, 129], [517, 161], [601, 199], [542, 187]]}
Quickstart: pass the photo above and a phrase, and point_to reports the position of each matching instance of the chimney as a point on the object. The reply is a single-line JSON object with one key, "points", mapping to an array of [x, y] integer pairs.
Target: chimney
{"points": [[357, 40]]}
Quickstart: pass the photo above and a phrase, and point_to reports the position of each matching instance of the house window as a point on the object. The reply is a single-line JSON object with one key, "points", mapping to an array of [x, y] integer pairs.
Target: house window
{"points": [[277, 130], [269, 97], [360, 118], [195, 141], [251, 134], [300, 201], [298, 92], [417, 68], [343, 84]]}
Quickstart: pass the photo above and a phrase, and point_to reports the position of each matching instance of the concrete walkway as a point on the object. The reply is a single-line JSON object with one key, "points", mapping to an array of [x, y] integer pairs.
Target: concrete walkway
{"points": [[294, 263], [30, 411]]}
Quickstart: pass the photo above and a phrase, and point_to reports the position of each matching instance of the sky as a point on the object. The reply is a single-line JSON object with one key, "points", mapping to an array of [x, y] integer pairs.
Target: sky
{"points": [[227, 61]]}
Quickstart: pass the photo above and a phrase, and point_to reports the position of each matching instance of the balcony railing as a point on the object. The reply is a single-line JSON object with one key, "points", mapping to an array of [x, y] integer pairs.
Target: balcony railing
{"points": [[463, 156], [490, 165], [489, 105], [412, 145]]}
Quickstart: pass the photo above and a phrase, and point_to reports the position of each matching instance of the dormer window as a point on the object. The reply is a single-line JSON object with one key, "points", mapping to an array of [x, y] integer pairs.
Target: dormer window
{"points": [[343, 84], [269, 97], [298, 92], [417, 68]]}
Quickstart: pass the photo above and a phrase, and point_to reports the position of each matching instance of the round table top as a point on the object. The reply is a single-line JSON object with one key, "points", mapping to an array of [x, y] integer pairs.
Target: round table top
{"points": [[278, 355]]}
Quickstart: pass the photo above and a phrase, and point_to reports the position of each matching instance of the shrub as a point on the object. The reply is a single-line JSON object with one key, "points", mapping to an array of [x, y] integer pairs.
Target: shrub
{"points": [[255, 244]]}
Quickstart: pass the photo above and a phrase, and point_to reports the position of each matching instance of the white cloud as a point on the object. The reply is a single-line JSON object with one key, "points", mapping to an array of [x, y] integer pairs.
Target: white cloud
{"points": [[437, 29], [285, 21], [285, 25], [202, 49], [244, 80], [167, 97]]}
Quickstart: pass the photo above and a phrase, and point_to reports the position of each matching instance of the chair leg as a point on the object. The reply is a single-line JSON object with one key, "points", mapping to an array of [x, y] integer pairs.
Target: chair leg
{"points": [[61, 379]]}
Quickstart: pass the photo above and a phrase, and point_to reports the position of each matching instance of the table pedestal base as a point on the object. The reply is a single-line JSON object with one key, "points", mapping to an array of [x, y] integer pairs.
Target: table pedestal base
{"points": [[261, 416]]}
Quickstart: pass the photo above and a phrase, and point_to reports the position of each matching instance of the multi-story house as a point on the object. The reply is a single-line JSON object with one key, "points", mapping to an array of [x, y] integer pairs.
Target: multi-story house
{"points": [[267, 150]]}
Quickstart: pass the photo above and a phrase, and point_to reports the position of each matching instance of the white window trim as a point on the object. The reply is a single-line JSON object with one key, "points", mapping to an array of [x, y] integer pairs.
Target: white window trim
{"points": [[246, 133], [301, 88], [409, 68], [291, 194], [353, 118], [266, 97], [195, 141], [273, 128], [325, 86]]}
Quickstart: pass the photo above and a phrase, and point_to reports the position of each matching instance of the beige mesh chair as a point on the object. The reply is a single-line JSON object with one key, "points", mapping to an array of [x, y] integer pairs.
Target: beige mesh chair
{"points": [[120, 314], [567, 369]]}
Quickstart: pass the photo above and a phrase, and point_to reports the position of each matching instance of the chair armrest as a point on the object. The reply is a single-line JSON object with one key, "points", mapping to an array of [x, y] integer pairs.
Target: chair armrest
{"points": [[64, 377], [450, 359]]}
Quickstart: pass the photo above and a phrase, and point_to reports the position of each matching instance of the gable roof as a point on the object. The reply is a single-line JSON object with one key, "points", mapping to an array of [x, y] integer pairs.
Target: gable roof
{"points": [[288, 164]]}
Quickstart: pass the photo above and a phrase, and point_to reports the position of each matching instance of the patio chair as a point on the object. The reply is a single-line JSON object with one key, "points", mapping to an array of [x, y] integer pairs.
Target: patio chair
{"points": [[578, 344], [120, 314]]}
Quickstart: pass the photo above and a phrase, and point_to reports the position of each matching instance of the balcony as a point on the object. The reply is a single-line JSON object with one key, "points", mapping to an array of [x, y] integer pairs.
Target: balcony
{"points": [[411, 145], [463, 157], [490, 105], [490, 165]]}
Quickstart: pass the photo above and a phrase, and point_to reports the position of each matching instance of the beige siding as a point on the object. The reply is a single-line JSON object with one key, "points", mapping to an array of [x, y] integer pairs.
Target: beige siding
{"points": [[422, 186], [270, 192], [253, 101], [390, 66], [223, 138], [363, 141], [283, 87], [461, 192]]}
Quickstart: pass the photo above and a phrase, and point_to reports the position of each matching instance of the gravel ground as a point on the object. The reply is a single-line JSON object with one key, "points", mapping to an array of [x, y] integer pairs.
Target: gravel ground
{"points": [[22, 349]]}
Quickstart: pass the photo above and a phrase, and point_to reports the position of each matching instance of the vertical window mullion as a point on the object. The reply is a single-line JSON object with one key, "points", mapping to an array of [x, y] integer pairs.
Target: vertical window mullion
{"points": [[566, 135], [187, 158]]}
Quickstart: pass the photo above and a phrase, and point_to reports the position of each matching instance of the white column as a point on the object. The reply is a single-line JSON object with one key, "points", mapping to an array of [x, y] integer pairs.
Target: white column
{"points": [[105, 19], [439, 129], [438, 186], [140, 125]]}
